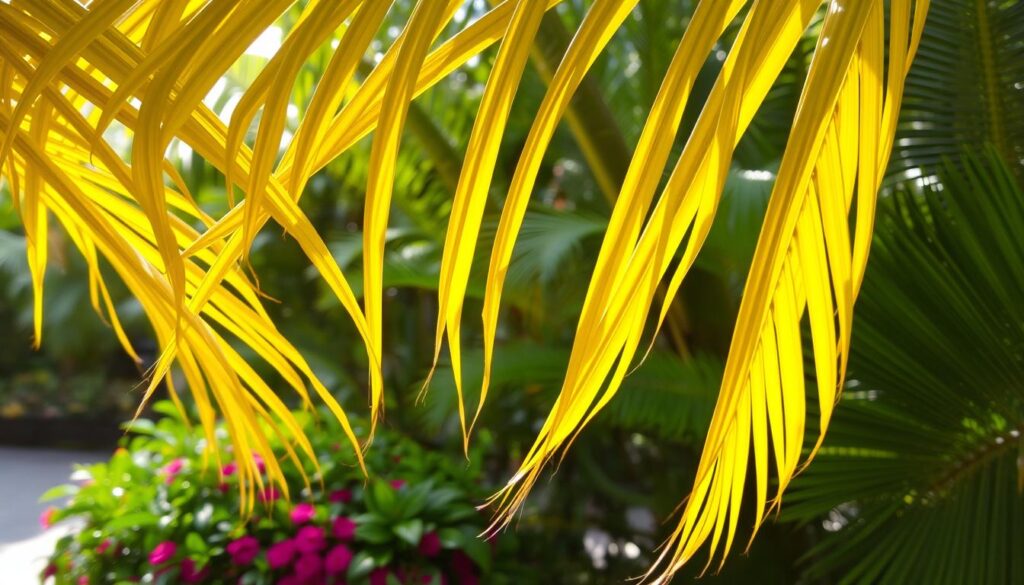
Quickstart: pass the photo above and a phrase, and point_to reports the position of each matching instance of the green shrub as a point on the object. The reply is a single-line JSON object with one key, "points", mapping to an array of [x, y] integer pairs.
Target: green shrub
{"points": [[161, 512]]}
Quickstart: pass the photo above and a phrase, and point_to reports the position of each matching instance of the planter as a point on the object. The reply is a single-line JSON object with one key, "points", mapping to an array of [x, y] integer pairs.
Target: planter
{"points": [[76, 432]]}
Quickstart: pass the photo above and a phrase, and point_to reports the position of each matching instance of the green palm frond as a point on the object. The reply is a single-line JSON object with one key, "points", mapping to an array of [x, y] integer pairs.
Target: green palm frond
{"points": [[966, 89], [920, 478]]}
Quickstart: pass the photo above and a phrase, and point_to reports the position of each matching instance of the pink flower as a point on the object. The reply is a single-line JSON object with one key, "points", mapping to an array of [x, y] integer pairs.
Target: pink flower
{"points": [[303, 513], [223, 487], [243, 550], [49, 571], [280, 554], [189, 574], [174, 466], [379, 576], [343, 528], [162, 553], [172, 469], [344, 496], [269, 494], [397, 483], [310, 539], [308, 567], [103, 546], [338, 559], [83, 580], [46, 518], [430, 545], [464, 569], [229, 469], [258, 460]]}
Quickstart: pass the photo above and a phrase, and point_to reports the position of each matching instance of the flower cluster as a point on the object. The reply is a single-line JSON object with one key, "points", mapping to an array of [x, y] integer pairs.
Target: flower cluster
{"points": [[174, 517]]}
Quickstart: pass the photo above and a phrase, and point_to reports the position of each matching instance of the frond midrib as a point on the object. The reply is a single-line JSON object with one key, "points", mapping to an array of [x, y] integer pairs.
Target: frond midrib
{"points": [[975, 460]]}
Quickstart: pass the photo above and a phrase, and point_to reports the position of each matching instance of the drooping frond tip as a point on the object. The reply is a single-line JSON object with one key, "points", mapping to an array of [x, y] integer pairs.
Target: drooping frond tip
{"points": [[68, 73], [806, 258]]}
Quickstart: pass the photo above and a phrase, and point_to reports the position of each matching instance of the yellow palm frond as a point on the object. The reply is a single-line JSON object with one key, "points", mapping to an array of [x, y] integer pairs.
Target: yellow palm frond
{"points": [[69, 73]]}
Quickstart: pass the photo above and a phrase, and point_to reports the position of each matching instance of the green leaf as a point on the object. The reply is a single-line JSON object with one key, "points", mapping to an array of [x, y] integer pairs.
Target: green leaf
{"points": [[195, 543], [361, 565], [60, 491], [478, 550], [380, 499], [451, 537], [440, 498], [133, 520], [413, 500], [410, 531], [141, 426], [373, 532]]}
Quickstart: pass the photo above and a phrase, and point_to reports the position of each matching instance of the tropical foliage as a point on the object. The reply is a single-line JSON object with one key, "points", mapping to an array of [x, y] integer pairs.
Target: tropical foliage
{"points": [[157, 513], [115, 75], [921, 477]]}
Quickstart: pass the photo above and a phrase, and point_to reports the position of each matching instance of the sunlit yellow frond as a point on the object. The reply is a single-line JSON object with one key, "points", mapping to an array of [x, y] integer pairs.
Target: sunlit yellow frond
{"points": [[88, 189], [69, 74], [473, 188], [803, 262], [609, 334]]}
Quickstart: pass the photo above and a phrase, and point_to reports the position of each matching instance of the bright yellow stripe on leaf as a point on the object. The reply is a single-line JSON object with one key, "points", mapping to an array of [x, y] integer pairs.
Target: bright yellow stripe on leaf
{"points": [[423, 26], [473, 188], [329, 93]]}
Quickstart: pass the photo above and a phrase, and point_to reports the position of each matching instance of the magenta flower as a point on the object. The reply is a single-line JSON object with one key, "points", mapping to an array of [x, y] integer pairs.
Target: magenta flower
{"points": [[464, 569], [338, 559], [243, 550], [172, 469], [280, 554], [229, 469], [83, 580], [310, 539], [290, 580], [430, 545], [379, 576], [189, 574], [343, 528], [269, 494], [397, 483], [103, 546], [49, 571], [344, 496], [308, 567], [260, 465], [162, 553], [174, 466], [303, 513], [46, 518]]}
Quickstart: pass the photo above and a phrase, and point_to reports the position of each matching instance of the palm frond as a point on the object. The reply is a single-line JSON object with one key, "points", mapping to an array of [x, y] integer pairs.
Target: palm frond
{"points": [[69, 73], [919, 477], [972, 55], [648, 402]]}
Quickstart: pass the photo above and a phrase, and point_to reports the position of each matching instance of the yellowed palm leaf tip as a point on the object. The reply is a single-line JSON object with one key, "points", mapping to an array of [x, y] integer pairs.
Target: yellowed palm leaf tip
{"points": [[69, 73]]}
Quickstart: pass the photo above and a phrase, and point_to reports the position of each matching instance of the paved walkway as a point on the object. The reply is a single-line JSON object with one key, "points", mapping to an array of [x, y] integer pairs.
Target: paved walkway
{"points": [[24, 475]]}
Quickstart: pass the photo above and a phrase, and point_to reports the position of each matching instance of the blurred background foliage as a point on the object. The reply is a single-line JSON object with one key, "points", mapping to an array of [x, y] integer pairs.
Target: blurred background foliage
{"points": [[920, 476]]}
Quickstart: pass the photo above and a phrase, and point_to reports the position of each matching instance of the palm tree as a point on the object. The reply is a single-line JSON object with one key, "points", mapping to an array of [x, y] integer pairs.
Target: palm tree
{"points": [[77, 80], [921, 476]]}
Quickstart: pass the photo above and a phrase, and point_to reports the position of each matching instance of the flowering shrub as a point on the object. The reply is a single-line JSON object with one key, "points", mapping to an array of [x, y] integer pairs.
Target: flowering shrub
{"points": [[155, 513]]}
